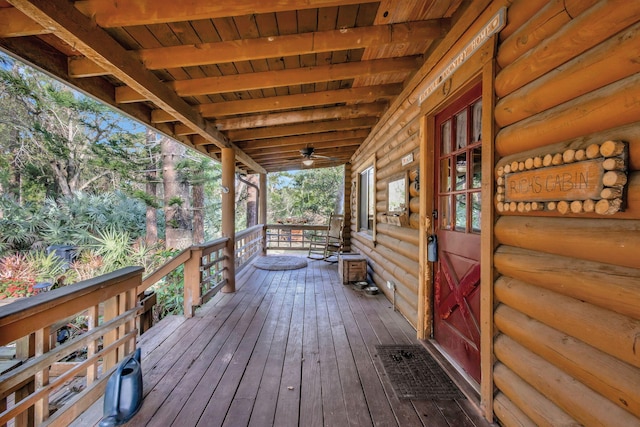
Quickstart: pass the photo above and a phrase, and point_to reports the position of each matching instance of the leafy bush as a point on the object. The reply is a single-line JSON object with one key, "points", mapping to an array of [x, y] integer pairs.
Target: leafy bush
{"points": [[17, 277]]}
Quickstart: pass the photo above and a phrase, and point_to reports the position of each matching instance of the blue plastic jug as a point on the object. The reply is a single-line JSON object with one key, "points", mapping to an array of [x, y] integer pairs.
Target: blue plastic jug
{"points": [[123, 395]]}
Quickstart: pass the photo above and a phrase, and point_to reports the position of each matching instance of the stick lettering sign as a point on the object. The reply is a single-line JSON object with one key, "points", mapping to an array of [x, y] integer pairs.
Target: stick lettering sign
{"points": [[577, 181], [495, 24]]}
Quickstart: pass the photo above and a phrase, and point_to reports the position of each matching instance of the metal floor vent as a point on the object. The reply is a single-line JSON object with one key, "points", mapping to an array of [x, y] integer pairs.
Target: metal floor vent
{"points": [[415, 375]]}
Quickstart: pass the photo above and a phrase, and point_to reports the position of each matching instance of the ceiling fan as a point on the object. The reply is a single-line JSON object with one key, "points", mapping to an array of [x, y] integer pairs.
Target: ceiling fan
{"points": [[308, 155]]}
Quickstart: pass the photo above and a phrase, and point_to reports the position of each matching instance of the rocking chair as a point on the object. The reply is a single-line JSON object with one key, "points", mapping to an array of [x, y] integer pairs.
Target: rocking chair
{"points": [[327, 244]]}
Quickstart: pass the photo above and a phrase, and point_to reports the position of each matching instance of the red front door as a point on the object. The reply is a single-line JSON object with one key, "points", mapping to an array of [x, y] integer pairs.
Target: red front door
{"points": [[457, 226]]}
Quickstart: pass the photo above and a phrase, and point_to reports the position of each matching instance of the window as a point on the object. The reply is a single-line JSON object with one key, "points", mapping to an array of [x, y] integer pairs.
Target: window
{"points": [[366, 201], [460, 166]]}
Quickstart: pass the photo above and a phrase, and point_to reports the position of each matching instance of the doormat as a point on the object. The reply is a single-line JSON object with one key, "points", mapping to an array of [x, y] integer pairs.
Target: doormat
{"points": [[415, 375], [280, 262]]}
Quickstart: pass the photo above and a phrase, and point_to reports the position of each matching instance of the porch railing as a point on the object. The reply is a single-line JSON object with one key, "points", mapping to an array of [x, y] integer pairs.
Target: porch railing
{"points": [[292, 237], [249, 243], [110, 303]]}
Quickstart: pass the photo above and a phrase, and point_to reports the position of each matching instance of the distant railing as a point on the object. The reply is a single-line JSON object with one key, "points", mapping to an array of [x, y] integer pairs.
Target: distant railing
{"points": [[249, 244], [291, 237], [110, 305]]}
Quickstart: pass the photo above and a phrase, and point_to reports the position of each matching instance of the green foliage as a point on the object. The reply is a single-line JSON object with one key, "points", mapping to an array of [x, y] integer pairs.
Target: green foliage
{"points": [[176, 201], [113, 247], [309, 195], [68, 220], [48, 268], [148, 199]]}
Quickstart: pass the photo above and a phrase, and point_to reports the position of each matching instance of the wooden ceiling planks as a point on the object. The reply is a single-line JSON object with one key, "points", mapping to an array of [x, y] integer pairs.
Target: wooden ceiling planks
{"points": [[255, 72]]}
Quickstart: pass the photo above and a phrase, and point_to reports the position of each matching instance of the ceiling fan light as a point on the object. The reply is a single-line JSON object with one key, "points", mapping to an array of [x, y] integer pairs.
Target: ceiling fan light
{"points": [[307, 162]]}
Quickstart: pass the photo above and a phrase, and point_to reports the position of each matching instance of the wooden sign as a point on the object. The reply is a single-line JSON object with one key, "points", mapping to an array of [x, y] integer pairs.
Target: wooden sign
{"points": [[574, 181], [495, 24], [577, 181]]}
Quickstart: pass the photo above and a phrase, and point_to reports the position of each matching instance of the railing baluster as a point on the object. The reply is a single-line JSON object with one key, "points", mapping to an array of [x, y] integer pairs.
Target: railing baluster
{"points": [[42, 342], [25, 348], [110, 311], [92, 323]]}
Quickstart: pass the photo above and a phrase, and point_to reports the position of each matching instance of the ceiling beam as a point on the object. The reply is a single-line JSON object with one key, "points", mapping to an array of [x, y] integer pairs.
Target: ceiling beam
{"points": [[78, 31], [301, 129], [347, 96], [274, 47], [310, 139], [110, 13], [300, 116], [286, 102], [17, 24], [279, 78]]}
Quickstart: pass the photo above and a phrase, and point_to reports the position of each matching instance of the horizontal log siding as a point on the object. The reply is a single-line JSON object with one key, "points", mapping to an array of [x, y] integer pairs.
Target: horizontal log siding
{"points": [[567, 295]]}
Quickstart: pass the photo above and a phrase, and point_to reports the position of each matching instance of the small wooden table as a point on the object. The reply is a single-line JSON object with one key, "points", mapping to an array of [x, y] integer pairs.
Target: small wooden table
{"points": [[352, 268]]}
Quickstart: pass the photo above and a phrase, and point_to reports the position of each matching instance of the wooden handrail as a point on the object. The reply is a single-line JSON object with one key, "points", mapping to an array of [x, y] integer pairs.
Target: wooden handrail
{"points": [[31, 321], [280, 236], [164, 269], [27, 315], [248, 231]]}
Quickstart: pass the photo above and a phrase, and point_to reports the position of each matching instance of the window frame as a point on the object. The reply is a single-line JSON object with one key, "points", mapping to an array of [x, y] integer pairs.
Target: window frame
{"points": [[369, 165]]}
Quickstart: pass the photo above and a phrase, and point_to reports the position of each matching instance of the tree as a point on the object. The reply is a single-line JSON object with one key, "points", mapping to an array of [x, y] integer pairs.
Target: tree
{"points": [[308, 194], [54, 131], [176, 196]]}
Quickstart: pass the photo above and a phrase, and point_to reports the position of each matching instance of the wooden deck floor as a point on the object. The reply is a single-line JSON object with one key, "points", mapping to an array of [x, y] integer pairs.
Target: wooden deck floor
{"points": [[289, 348]]}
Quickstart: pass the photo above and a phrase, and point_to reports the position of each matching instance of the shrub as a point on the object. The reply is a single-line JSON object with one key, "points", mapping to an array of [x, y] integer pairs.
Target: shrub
{"points": [[17, 277]]}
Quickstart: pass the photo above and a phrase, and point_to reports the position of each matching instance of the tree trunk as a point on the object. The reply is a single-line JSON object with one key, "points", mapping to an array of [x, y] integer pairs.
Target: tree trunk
{"points": [[252, 201], [176, 197], [151, 238], [197, 193]]}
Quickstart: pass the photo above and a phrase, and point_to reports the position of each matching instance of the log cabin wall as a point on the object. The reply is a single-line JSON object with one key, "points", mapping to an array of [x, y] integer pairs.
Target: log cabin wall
{"points": [[567, 293], [566, 290]]}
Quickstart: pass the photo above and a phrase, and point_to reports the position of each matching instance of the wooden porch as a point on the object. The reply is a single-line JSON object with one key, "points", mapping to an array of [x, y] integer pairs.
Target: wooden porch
{"points": [[288, 348]]}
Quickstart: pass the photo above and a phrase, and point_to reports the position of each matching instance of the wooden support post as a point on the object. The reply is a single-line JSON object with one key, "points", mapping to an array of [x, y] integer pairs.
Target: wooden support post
{"points": [[192, 277], [262, 215], [425, 289], [487, 243], [229, 216]]}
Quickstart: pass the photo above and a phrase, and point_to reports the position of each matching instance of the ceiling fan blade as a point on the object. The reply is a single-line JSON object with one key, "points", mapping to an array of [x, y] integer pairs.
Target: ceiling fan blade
{"points": [[318, 156]]}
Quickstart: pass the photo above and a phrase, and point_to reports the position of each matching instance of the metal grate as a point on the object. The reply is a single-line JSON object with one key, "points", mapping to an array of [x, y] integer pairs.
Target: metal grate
{"points": [[415, 375]]}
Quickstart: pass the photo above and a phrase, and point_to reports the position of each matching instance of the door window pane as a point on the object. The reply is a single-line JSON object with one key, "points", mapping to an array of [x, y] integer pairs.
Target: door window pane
{"points": [[461, 171], [461, 212], [444, 213], [475, 211], [445, 175], [476, 167], [477, 121], [445, 138], [461, 129]]}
